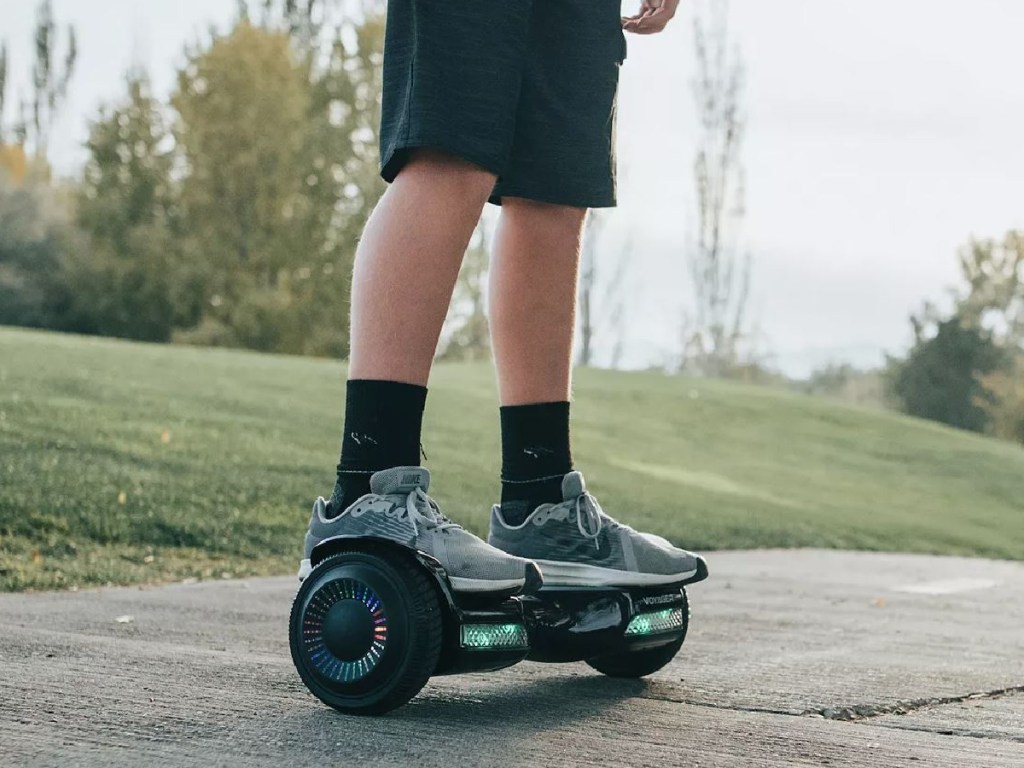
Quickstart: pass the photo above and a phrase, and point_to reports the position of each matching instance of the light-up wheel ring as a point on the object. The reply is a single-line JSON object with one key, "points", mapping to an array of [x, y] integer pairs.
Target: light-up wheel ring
{"points": [[345, 630], [365, 628]]}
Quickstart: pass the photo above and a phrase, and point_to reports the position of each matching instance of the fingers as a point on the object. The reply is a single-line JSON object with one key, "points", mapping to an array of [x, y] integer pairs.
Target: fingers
{"points": [[653, 17], [631, 23]]}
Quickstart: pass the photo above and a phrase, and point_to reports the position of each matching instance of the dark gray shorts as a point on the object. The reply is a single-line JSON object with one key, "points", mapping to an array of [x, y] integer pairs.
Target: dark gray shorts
{"points": [[523, 88]]}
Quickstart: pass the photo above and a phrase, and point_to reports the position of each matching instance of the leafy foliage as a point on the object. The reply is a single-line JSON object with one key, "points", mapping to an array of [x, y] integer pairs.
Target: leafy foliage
{"points": [[941, 377], [993, 275], [279, 147], [33, 236], [847, 383], [129, 279], [968, 369], [228, 216], [466, 328], [1004, 402], [242, 107]]}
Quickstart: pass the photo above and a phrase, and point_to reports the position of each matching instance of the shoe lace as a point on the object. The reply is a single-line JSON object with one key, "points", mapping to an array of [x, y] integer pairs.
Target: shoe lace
{"points": [[589, 517], [420, 509]]}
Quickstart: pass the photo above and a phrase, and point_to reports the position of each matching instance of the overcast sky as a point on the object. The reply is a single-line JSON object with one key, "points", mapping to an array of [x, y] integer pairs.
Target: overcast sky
{"points": [[881, 135]]}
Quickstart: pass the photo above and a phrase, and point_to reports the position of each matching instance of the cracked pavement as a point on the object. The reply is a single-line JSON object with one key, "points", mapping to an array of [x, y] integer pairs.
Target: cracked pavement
{"points": [[794, 658]]}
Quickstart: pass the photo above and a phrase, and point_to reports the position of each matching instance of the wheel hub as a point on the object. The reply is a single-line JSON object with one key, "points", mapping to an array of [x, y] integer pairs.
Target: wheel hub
{"points": [[348, 630], [345, 630]]}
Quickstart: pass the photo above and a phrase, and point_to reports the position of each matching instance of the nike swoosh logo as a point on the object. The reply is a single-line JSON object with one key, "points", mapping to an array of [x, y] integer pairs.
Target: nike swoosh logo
{"points": [[377, 506], [584, 549]]}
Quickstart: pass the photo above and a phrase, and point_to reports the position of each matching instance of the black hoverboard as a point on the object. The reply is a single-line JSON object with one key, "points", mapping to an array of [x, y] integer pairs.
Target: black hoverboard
{"points": [[375, 620]]}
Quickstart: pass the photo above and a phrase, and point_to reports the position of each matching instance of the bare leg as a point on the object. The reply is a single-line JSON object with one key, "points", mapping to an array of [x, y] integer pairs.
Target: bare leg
{"points": [[407, 263], [533, 299]]}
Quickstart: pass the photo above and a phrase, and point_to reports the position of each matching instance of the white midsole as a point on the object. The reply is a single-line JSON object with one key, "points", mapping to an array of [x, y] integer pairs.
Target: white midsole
{"points": [[459, 583], [557, 573]]}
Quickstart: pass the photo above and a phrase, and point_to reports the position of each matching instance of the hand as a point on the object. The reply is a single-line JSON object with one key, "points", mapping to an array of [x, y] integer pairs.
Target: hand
{"points": [[653, 17]]}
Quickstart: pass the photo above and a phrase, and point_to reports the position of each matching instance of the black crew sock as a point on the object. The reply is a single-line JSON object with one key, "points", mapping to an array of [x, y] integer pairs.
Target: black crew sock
{"points": [[383, 420], [535, 456]]}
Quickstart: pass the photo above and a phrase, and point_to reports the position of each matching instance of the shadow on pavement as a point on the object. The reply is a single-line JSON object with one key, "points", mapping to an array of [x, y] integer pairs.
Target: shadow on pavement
{"points": [[541, 703], [494, 718]]}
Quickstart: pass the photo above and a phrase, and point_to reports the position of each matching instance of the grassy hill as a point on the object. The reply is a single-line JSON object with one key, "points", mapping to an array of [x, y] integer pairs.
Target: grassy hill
{"points": [[124, 462]]}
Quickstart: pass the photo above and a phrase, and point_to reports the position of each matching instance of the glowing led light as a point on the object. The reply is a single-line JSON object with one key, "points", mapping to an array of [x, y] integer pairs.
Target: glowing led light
{"points": [[495, 636], [667, 620], [313, 638]]}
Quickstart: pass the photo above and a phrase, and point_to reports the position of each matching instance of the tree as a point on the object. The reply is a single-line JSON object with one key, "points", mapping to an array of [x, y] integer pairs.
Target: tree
{"points": [[341, 155], [1004, 401], [33, 226], [993, 274], [14, 163], [49, 80], [941, 378], [278, 135], [588, 284], [601, 313], [993, 299], [32, 234], [467, 330], [4, 65], [129, 279], [847, 383], [967, 370], [720, 275], [242, 109]]}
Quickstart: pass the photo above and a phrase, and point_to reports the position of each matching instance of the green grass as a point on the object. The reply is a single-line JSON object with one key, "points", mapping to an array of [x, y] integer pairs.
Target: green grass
{"points": [[123, 463]]}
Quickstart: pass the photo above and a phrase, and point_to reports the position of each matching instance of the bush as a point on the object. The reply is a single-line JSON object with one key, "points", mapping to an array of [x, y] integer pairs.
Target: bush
{"points": [[33, 234], [1004, 403], [941, 378]]}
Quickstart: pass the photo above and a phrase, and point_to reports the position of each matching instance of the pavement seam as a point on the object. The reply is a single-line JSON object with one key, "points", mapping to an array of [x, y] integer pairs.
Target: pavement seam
{"points": [[729, 707], [867, 711], [962, 732], [861, 712]]}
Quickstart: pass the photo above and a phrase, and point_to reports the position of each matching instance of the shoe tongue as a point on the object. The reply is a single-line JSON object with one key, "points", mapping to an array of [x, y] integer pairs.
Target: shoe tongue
{"points": [[572, 486], [398, 480]]}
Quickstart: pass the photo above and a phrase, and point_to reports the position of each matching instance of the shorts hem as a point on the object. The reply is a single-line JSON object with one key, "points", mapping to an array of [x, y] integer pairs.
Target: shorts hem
{"points": [[396, 157], [554, 198]]}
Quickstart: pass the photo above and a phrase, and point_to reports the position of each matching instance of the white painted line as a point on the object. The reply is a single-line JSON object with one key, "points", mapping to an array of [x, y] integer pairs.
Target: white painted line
{"points": [[947, 586]]}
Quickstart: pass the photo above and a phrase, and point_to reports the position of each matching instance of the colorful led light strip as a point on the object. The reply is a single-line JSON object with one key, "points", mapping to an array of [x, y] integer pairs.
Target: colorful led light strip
{"points": [[326, 662], [667, 620], [495, 636]]}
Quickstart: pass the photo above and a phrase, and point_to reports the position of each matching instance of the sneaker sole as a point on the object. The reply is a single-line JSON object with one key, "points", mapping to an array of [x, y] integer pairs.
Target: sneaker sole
{"points": [[562, 574], [530, 584], [460, 584]]}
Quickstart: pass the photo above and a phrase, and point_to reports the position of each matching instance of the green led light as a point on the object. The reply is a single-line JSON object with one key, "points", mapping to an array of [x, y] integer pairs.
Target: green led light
{"points": [[494, 636], [653, 623]]}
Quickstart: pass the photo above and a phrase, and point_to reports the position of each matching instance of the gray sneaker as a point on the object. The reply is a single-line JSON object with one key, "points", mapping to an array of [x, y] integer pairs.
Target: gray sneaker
{"points": [[576, 544], [398, 508]]}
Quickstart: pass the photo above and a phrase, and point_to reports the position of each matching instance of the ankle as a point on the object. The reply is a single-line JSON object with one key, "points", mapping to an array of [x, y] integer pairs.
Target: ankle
{"points": [[519, 498]]}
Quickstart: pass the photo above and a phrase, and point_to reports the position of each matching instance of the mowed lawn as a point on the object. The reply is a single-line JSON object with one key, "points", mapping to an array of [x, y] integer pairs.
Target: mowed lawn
{"points": [[123, 462]]}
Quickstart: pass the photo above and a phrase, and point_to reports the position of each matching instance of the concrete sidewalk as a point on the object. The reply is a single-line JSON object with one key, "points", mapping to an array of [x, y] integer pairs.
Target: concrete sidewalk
{"points": [[794, 658]]}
